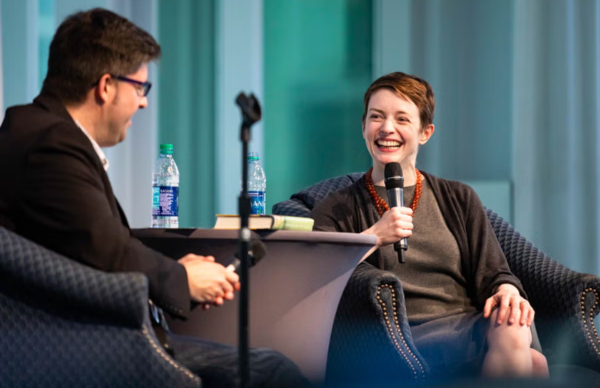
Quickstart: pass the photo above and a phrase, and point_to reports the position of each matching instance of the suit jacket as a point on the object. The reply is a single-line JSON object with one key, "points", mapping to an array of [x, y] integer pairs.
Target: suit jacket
{"points": [[55, 192]]}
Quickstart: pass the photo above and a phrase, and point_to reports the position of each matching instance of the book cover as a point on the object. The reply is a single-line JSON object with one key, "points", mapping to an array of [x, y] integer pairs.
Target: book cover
{"points": [[232, 221]]}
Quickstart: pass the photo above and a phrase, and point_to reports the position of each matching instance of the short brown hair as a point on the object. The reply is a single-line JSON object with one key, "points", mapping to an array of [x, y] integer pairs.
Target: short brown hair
{"points": [[407, 86], [90, 44]]}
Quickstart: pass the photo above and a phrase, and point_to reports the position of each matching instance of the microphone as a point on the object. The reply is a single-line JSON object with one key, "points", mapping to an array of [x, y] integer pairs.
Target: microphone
{"points": [[250, 107], [394, 184], [258, 250]]}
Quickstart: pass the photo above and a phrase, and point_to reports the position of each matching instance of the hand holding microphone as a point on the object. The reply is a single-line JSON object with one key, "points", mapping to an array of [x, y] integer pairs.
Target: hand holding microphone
{"points": [[394, 184], [394, 225]]}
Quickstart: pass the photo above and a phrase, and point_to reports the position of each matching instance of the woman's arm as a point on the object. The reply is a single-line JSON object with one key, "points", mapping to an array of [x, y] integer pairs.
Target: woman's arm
{"points": [[488, 266]]}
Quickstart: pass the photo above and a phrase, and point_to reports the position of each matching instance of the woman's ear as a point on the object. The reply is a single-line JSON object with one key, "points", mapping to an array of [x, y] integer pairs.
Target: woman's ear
{"points": [[426, 134]]}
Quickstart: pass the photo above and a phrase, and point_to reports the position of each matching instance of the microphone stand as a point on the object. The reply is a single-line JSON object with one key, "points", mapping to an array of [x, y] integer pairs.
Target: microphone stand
{"points": [[251, 113]]}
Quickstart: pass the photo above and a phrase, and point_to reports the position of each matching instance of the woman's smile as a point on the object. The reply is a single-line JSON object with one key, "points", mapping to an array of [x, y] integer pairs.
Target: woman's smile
{"points": [[387, 145]]}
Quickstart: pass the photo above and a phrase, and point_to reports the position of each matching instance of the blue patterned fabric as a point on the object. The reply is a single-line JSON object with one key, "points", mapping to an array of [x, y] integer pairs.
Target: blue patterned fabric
{"points": [[373, 315], [63, 324], [565, 301], [301, 203]]}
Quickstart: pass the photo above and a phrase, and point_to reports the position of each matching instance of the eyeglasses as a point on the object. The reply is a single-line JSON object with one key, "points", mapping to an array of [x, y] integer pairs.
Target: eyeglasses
{"points": [[143, 88]]}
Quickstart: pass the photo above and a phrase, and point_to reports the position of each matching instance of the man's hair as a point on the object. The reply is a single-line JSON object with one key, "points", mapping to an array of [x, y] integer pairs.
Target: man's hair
{"points": [[406, 86], [90, 44]]}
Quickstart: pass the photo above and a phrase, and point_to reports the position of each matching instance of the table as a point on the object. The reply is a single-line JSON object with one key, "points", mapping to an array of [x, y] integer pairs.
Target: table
{"points": [[294, 290]]}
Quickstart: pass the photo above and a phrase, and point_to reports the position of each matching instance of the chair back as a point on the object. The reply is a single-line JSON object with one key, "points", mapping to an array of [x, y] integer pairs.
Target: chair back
{"points": [[65, 324], [301, 203]]}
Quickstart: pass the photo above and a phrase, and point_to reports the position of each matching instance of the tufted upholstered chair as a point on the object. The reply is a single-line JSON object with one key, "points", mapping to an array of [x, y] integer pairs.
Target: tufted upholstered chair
{"points": [[371, 337], [63, 324]]}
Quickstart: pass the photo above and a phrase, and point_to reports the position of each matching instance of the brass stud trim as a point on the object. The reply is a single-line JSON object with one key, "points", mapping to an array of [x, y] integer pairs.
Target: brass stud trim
{"points": [[398, 348], [167, 358], [590, 322]]}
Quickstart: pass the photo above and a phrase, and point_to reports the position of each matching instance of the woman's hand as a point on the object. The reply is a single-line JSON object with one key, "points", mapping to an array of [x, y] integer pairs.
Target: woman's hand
{"points": [[511, 304], [394, 225]]}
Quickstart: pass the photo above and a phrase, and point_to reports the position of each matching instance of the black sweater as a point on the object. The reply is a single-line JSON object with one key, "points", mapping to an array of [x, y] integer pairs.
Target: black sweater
{"points": [[482, 260]]}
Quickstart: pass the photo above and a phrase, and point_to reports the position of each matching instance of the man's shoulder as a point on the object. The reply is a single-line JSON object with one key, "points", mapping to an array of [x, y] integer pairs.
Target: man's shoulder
{"points": [[26, 126], [33, 116]]}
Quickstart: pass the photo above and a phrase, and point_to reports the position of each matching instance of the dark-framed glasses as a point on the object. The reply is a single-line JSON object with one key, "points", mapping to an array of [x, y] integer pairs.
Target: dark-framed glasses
{"points": [[142, 88]]}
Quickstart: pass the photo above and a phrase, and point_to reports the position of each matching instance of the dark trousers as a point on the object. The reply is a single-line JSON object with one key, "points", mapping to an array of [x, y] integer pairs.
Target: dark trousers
{"points": [[217, 364]]}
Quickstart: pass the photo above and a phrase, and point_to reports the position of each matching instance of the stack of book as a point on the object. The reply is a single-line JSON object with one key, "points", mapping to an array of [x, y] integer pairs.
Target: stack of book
{"points": [[232, 221]]}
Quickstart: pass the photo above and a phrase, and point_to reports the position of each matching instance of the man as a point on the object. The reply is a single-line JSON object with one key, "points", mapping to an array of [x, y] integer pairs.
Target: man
{"points": [[59, 193]]}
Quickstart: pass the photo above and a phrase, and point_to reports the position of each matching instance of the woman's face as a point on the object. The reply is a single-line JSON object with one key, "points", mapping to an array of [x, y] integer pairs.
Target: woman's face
{"points": [[392, 129]]}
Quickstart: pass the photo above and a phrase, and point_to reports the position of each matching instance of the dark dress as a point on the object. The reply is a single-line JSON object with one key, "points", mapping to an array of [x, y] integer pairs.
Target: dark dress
{"points": [[453, 264]]}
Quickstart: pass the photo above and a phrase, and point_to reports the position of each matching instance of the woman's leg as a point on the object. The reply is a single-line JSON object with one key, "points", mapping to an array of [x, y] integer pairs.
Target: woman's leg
{"points": [[509, 353], [539, 363]]}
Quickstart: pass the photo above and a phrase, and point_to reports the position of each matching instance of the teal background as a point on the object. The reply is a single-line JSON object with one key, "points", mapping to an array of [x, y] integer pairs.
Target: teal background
{"points": [[186, 32], [317, 66], [517, 85]]}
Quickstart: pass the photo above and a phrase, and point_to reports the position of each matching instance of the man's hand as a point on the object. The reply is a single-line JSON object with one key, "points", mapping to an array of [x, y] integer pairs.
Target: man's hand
{"points": [[511, 304], [209, 282], [394, 225]]}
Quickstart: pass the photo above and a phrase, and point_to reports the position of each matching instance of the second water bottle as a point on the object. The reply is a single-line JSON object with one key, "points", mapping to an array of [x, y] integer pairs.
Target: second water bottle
{"points": [[257, 184]]}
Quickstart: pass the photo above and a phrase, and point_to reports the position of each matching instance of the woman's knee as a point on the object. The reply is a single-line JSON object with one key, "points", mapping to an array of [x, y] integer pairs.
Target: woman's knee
{"points": [[508, 336]]}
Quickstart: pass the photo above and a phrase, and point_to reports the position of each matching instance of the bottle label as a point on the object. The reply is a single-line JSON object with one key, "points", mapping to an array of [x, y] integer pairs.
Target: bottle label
{"points": [[165, 201], [257, 202]]}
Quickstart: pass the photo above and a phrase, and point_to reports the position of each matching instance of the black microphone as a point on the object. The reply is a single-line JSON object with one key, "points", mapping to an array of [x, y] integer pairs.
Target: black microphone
{"points": [[250, 108], [258, 250], [394, 184]]}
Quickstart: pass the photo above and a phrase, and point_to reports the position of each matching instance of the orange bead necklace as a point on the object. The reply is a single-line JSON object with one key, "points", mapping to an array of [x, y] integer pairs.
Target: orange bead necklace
{"points": [[380, 203]]}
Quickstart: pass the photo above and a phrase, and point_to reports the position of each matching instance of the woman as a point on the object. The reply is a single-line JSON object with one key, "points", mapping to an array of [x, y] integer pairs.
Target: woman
{"points": [[467, 311]]}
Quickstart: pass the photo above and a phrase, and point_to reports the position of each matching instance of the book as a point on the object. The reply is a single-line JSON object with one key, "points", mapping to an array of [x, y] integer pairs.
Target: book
{"points": [[232, 221]]}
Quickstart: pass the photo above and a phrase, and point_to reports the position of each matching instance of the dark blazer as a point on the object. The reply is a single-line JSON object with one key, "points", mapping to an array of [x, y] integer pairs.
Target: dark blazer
{"points": [[54, 191]]}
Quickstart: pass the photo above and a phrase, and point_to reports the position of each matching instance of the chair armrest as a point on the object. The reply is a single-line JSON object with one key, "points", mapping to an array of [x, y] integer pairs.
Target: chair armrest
{"points": [[371, 337], [565, 301], [55, 280]]}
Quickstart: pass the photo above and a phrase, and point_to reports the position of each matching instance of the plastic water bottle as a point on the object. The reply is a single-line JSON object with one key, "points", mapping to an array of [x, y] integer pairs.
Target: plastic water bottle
{"points": [[257, 184], [165, 190]]}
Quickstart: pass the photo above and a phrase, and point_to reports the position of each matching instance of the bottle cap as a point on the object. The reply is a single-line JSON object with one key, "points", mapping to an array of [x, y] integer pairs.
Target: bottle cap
{"points": [[253, 156], [166, 148]]}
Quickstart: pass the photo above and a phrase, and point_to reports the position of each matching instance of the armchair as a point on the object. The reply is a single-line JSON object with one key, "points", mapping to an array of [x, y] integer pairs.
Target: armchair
{"points": [[371, 336], [63, 324]]}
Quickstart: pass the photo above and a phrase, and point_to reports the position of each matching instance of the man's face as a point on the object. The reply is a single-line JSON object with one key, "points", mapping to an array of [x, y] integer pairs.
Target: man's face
{"points": [[128, 99]]}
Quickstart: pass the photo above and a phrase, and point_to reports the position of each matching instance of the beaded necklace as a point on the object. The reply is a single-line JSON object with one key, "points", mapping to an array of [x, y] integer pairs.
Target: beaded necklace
{"points": [[380, 203]]}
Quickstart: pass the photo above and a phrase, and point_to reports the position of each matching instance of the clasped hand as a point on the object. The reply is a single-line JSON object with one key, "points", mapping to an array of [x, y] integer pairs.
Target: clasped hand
{"points": [[512, 306], [394, 225], [209, 282]]}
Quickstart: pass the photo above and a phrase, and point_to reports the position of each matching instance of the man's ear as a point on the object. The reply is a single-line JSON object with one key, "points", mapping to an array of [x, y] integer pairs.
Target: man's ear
{"points": [[426, 134], [105, 89]]}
